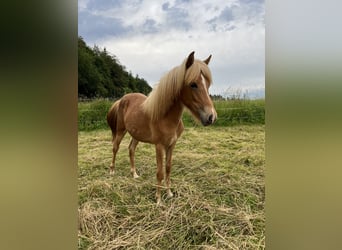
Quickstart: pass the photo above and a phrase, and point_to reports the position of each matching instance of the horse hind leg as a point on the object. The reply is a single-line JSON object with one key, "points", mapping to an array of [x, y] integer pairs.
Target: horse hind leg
{"points": [[132, 146], [116, 144]]}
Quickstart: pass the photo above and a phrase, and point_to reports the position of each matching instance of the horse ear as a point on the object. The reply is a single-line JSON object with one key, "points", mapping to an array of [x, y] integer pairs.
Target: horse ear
{"points": [[190, 60], [207, 60]]}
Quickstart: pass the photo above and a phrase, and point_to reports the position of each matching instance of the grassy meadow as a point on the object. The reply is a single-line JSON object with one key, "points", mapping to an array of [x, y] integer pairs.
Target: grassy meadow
{"points": [[217, 180], [92, 114]]}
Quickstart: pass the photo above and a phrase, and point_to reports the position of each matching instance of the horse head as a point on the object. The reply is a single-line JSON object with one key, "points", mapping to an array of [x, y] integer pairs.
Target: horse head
{"points": [[194, 94]]}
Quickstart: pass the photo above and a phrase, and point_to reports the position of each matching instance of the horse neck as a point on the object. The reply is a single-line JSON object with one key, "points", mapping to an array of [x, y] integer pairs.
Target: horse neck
{"points": [[174, 114]]}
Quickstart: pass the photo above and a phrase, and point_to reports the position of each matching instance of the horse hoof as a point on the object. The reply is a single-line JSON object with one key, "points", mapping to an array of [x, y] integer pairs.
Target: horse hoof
{"points": [[111, 172], [135, 175], [169, 194], [158, 202]]}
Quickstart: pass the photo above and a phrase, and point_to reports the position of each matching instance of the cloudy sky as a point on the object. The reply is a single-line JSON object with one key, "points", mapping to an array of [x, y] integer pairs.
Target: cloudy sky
{"points": [[149, 37]]}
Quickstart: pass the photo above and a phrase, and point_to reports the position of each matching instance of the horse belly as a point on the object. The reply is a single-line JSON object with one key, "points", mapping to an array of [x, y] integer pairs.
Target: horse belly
{"points": [[140, 134], [138, 127]]}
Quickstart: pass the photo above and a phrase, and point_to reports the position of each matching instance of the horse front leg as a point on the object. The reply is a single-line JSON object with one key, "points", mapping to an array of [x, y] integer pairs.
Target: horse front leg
{"points": [[169, 151], [160, 174]]}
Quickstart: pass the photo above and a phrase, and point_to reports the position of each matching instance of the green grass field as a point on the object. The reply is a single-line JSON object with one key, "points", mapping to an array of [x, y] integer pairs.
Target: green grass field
{"points": [[92, 115], [217, 179]]}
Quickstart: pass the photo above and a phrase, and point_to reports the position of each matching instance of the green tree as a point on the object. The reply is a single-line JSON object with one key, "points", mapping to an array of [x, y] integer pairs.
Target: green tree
{"points": [[101, 74]]}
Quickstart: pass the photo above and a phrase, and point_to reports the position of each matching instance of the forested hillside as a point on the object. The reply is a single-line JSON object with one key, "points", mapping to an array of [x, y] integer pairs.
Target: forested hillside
{"points": [[101, 75]]}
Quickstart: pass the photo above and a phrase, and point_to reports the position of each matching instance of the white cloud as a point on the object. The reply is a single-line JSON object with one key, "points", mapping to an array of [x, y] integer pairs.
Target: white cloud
{"points": [[82, 5], [134, 13], [234, 54], [159, 37]]}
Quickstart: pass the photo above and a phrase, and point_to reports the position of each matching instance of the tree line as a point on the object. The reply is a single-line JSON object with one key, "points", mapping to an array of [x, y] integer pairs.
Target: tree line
{"points": [[101, 74]]}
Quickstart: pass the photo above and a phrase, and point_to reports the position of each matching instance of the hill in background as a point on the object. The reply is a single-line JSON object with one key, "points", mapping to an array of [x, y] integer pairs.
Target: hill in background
{"points": [[101, 75]]}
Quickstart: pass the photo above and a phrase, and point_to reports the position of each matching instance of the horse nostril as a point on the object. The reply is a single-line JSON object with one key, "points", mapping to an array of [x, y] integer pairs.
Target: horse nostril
{"points": [[210, 119]]}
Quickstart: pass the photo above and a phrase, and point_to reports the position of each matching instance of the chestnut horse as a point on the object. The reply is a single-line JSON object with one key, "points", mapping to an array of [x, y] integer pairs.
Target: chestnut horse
{"points": [[157, 119]]}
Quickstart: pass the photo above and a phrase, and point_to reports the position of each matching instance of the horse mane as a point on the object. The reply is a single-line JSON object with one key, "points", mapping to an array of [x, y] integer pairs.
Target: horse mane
{"points": [[167, 91]]}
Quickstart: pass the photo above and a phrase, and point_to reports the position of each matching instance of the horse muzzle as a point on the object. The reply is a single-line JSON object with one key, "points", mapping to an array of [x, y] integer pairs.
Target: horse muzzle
{"points": [[208, 118]]}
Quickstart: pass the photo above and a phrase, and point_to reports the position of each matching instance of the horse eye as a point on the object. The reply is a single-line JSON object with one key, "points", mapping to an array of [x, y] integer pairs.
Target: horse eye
{"points": [[193, 85]]}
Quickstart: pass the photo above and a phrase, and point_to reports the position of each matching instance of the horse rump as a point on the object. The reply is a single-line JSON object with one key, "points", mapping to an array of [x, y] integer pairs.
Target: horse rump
{"points": [[112, 117]]}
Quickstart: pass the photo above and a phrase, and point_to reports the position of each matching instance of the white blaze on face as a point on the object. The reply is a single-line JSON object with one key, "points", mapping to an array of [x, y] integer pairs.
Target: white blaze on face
{"points": [[212, 110], [204, 82]]}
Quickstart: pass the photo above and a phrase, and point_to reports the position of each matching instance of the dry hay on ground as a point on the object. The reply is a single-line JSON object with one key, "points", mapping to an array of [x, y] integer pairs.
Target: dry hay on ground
{"points": [[217, 178]]}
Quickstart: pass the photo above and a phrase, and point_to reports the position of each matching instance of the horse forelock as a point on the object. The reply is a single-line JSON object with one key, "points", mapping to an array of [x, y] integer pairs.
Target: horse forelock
{"points": [[196, 70]]}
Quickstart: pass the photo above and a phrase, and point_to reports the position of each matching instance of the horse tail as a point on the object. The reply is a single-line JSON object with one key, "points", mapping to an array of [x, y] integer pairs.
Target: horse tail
{"points": [[112, 117]]}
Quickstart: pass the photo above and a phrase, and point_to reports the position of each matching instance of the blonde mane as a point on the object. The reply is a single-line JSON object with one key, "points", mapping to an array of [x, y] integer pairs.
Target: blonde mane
{"points": [[167, 91]]}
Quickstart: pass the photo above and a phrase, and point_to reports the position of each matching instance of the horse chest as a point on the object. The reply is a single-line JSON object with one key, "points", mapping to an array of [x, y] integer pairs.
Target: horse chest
{"points": [[165, 137], [172, 140]]}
